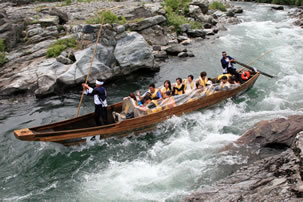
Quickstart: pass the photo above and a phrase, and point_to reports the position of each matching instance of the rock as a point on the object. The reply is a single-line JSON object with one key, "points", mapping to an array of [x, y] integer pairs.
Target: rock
{"points": [[48, 21], [186, 42], [182, 54], [194, 11], [132, 52], [219, 14], [190, 54], [280, 131], [209, 32], [238, 10], [156, 47], [230, 13], [221, 27], [88, 29], [182, 38], [175, 49], [207, 25], [185, 27], [155, 35], [196, 33], [160, 54], [274, 178], [139, 12], [120, 29], [148, 22], [277, 7], [63, 17], [203, 4], [64, 60], [101, 67], [174, 41]]}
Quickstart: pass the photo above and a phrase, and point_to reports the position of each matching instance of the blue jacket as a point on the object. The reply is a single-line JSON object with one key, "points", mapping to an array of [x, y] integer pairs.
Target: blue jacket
{"points": [[225, 64]]}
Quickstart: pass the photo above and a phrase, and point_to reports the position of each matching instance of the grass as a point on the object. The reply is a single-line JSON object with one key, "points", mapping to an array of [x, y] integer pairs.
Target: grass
{"points": [[109, 18], [56, 48], [177, 20], [3, 58], [217, 6], [180, 7]]}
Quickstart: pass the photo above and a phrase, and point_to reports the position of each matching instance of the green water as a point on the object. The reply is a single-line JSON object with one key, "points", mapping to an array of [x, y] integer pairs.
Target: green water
{"points": [[182, 153]]}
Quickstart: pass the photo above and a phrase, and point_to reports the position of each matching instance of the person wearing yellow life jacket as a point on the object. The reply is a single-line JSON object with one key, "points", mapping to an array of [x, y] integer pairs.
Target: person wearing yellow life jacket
{"points": [[155, 94], [189, 84], [224, 85], [150, 106], [178, 88], [202, 80], [166, 88]]}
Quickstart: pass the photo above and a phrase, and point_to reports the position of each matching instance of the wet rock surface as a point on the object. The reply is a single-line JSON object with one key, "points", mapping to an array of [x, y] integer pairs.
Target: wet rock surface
{"points": [[274, 178]]}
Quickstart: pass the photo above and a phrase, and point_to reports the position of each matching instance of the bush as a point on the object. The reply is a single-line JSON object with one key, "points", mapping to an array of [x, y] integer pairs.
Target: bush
{"points": [[217, 6], [2, 46], [178, 20], [177, 6], [56, 48], [3, 58], [108, 17]]}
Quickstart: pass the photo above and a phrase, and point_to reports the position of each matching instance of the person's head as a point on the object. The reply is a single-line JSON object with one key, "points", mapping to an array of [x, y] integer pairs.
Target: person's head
{"points": [[179, 80], [224, 79], [147, 99], [190, 78], [203, 75], [231, 79], [132, 95], [152, 87], [99, 83], [167, 84], [224, 54]]}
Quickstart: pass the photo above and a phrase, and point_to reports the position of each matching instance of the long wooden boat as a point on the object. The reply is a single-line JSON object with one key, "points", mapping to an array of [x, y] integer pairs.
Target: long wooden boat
{"points": [[74, 130]]}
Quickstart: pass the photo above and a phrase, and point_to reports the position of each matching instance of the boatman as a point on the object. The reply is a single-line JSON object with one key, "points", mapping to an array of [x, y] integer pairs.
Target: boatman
{"points": [[228, 66], [100, 95]]}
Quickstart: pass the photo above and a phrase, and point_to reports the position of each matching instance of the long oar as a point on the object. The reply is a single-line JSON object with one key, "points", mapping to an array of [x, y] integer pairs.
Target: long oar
{"points": [[253, 69], [254, 60], [90, 67]]}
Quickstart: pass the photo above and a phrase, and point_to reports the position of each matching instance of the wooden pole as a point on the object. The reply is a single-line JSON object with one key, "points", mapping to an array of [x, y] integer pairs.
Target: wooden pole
{"points": [[253, 69], [254, 60], [90, 67]]}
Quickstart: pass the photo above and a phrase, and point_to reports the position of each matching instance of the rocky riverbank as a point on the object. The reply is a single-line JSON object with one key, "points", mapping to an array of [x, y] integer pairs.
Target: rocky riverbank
{"points": [[140, 43], [274, 178]]}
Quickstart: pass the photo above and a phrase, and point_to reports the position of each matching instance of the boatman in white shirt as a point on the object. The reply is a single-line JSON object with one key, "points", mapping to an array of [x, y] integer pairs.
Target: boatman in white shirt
{"points": [[100, 95]]}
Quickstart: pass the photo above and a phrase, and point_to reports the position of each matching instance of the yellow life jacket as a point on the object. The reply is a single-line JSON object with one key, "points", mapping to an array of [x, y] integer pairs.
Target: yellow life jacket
{"points": [[153, 95], [224, 84], [191, 84], [179, 91], [156, 109], [203, 82], [164, 90], [227, 75]]}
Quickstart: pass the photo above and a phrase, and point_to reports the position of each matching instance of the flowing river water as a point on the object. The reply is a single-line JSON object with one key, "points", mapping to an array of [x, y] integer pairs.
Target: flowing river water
{"points": [[178, 156]]}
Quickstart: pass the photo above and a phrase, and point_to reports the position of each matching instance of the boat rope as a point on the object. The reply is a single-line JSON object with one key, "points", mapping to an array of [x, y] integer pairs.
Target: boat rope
{"points": [[90, 66]]}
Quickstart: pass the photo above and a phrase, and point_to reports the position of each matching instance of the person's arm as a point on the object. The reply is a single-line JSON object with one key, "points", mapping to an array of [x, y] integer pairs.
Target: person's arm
{"points": [[159, 95], [87, 90]]}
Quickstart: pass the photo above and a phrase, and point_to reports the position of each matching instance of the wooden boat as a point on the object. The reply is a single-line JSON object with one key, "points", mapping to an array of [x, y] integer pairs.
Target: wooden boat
{"points": [[74, 130]]}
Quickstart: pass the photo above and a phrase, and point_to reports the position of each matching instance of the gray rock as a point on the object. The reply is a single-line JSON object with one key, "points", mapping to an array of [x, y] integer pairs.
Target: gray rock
{"points": [[196, 33], [132, 52], [63, 17], [160, 54], [182, 38], [34, 31], [182, 54], [148, 22], [230, 13], [190, 54], [120, 29], [186, 42], [175, 49], [155, 35], [156, 47], [203, 4], [277, 7], [49, 20], [219, 14], [209, 32], [238, 10], [64, 60], [185, 27], [101, 67]]}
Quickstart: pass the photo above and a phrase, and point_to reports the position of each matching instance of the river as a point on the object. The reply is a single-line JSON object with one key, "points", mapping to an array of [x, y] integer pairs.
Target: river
{"points": [[181, 154]]}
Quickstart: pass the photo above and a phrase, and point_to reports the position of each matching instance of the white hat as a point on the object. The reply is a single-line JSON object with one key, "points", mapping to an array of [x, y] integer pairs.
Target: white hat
{"points": [[99, 82]]}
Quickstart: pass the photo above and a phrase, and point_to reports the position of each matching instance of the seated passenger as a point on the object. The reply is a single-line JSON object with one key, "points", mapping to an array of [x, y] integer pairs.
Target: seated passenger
{"points": [[189, 84], [178, 88], [169, 101], [202, 81], [132, 96], [155, 94], [149, 104], [166, 88], [233, 82], [224, 85]]}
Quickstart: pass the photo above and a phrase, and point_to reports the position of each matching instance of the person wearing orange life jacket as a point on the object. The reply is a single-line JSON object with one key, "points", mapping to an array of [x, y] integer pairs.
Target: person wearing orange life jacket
{"points": [[178, 88], [189, 84], [202, 80], [155, 94]]}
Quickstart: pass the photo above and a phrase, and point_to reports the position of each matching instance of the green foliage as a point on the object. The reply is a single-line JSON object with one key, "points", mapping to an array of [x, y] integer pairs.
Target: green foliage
{"points": [[177, 6], [3, 58], [108, 17], [217, 6], [177, 20], [56, 48], [2, 46]]}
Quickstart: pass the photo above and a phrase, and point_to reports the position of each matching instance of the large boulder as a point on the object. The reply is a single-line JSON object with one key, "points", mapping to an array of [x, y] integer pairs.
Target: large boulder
{"points": [[203, 4], [132, 52], [101, 67], [196, 33], [175, 49], [155, 35], [148, 22]]}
